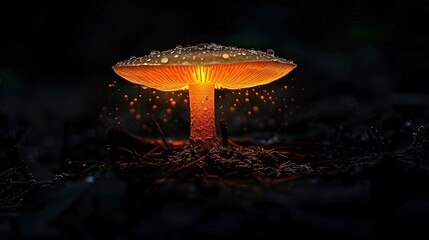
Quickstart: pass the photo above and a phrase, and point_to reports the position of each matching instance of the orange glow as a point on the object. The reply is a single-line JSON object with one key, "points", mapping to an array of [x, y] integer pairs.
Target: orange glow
{"points": [[138, 116], [203, 130], [231, 76], [255, 108], [201, 69]]}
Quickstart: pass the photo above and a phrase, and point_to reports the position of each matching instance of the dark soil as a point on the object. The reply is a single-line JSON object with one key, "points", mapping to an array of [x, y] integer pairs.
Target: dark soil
{"points": [[341, 188]]}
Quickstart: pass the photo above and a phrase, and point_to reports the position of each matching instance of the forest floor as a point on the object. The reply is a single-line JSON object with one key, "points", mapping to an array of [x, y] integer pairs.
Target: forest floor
{"points": [[343, 187]]}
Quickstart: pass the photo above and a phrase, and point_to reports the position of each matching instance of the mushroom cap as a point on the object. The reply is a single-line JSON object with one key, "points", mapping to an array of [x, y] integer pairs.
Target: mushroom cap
{"points": [[225, 67]]}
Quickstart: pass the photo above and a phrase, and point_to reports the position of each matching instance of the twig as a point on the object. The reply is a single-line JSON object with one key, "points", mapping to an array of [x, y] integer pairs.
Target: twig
{"points": [[187, 166], [158, 128], [224, 132]]}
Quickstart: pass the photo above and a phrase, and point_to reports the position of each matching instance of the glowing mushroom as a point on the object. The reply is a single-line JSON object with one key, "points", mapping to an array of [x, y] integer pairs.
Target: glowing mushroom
{"points": [[201, 69]]}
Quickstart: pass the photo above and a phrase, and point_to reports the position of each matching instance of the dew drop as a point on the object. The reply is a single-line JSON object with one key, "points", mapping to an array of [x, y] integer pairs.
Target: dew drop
{"points": [[176, 56], [225, 56], [270, 52], [164, 60], [201, 46]]}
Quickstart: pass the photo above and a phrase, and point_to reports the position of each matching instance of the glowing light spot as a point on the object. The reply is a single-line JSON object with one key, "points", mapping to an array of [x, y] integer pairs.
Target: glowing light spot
{"points": [[132, 110], [135, 99], [154, 107], [138, 116], [225, 56], [247, 100], [205, 109], [262, 97], [168, 110], [131, 103], [126, 97], [185, 101], [285, 87], [237, 100], [173, 103], [255, 109], [249, 113], [232, 109]]}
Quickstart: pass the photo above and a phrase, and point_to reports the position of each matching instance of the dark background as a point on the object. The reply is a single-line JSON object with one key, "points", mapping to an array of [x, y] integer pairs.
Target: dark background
{"points": [[359, 63]]}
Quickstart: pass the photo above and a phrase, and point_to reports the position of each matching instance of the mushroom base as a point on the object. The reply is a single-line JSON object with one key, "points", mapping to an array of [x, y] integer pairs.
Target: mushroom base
{"points": [[203, 128]]}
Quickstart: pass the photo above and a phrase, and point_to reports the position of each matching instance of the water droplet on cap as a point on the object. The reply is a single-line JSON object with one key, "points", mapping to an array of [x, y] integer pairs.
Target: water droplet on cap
{"points": [[201, 46], [164, 60], [270, 52], [225, 56]]}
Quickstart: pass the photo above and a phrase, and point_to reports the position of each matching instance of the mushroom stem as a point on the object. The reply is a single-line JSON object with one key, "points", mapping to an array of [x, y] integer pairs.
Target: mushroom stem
{"points": [[201, 102]]}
